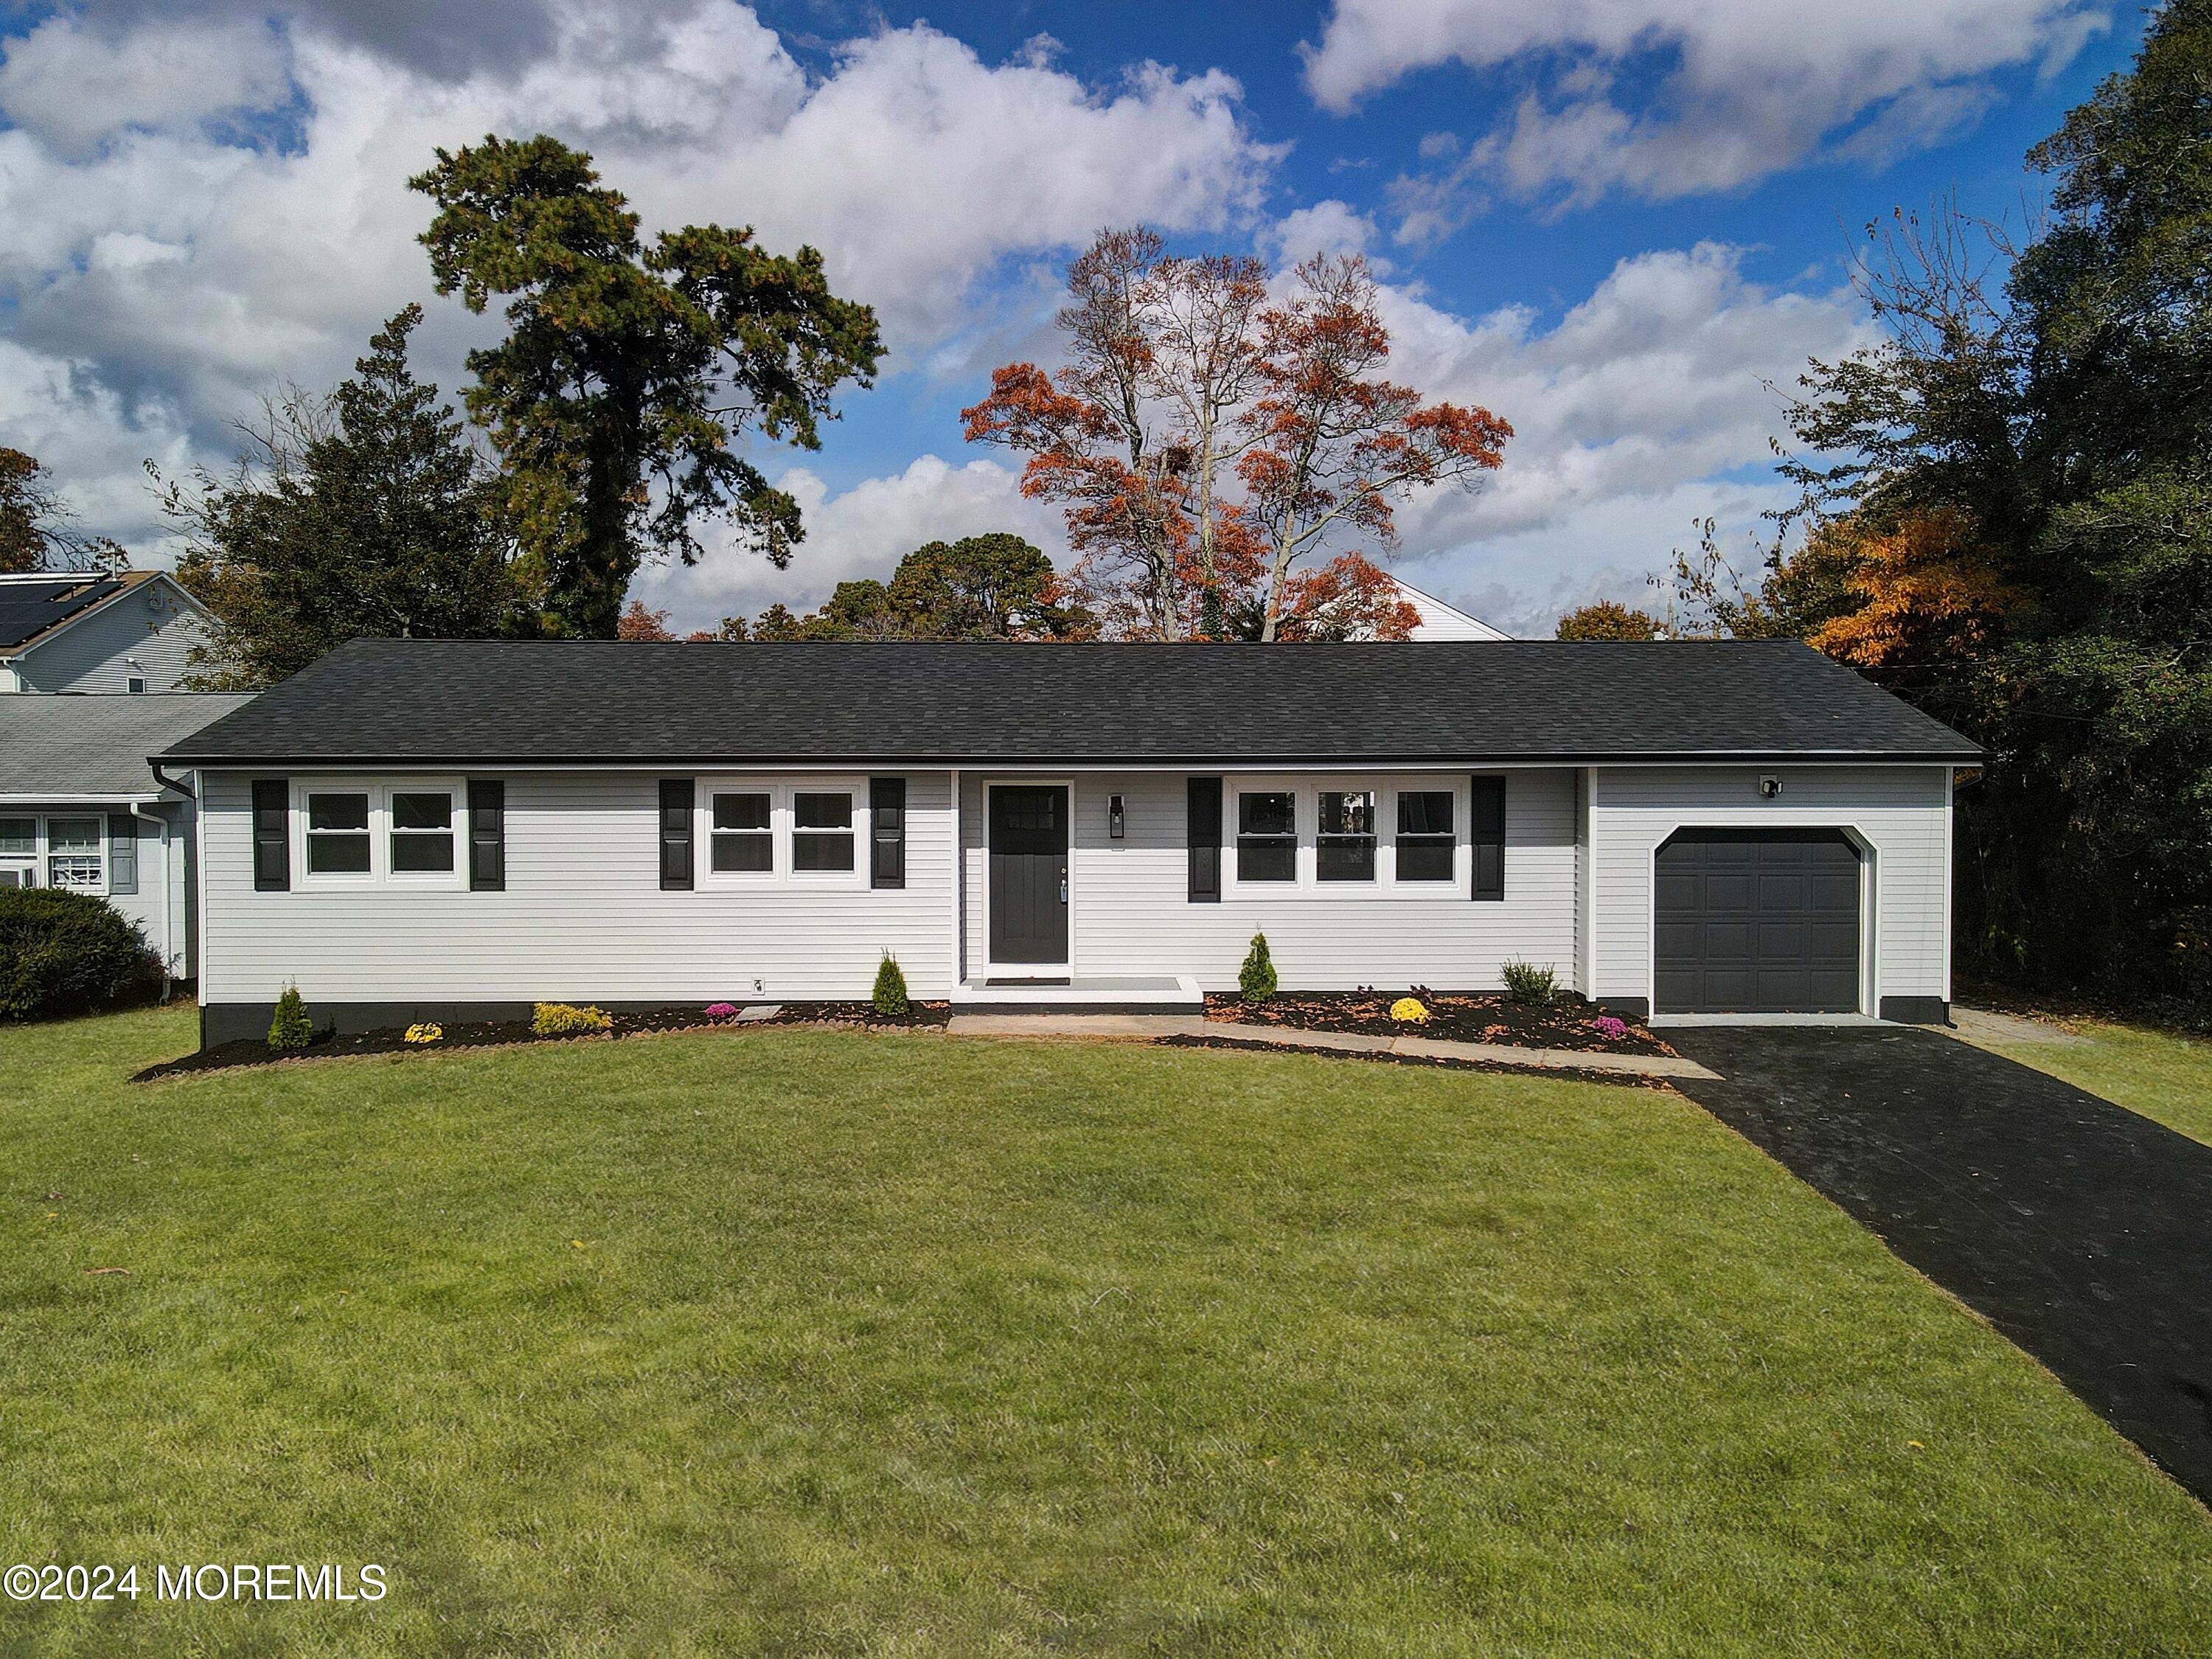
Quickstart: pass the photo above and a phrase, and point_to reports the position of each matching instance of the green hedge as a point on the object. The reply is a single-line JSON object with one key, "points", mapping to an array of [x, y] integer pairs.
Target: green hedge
{"points": [[68, 953]]}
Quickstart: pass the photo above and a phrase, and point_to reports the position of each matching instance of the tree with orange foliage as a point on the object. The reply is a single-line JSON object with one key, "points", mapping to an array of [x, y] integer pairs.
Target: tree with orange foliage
{"points": [[1918, 592], [1337, 446], [1207, 446], [638, 624]]}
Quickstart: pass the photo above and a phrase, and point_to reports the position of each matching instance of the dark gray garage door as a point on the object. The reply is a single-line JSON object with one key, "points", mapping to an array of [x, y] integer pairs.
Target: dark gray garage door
{"points": [[1758, 921]]}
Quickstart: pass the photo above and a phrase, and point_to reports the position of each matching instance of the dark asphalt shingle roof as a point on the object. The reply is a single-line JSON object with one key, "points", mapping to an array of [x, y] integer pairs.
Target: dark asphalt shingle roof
{"points": [[69, 748], [585, 701]]}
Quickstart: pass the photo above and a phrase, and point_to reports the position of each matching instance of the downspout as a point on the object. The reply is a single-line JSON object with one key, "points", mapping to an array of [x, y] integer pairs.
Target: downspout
{"points": [[169, 932]]}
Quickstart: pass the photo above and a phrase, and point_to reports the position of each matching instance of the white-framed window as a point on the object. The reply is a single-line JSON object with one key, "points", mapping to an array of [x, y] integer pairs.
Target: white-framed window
{"points": [[19, 850], [1346, 837], [823, 835], [1267, 835], [357, 832], [1427, 846], [339, 840], [1344, 834], [74, 854], [741, 832], [420, 829], [806, 830]]}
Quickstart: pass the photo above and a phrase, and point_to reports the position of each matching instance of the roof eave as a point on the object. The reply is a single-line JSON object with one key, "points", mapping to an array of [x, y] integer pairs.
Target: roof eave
{"points": [[1244, 760]]}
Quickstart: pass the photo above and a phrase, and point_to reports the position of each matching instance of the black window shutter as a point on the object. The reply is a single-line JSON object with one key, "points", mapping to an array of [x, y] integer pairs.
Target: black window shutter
{"points": [[675, 833], [273, 835], [1485, 820], [887, 822], [122, 852], [487, 835], [1205, 837]]}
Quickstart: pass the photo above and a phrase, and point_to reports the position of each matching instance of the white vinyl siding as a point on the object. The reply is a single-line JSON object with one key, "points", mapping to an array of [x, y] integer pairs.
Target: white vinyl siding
{"points": [[1130, 912], [583, 915], [1900, 813], [89, 655]]}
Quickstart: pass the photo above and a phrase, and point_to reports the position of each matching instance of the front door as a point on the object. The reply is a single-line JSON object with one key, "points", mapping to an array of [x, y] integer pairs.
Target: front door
{"points": [[1028, 874]]}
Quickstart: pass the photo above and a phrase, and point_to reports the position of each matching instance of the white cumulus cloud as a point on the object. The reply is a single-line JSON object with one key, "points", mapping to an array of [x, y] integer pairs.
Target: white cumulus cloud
{"points": [[1737, 89]]}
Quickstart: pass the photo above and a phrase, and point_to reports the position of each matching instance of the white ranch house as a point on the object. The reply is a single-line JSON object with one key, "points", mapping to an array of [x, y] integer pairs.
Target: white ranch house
{"points": [[424, 829]]}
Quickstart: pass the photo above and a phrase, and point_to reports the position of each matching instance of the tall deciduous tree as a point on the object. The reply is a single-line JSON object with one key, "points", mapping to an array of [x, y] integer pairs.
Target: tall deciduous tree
{"points": [[365, 512], [38, 532], [1336, 446], [628, 373], [1210, 446]]}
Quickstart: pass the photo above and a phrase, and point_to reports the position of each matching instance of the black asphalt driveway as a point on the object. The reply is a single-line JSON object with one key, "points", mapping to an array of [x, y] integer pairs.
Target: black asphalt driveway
{"points": [[2082, 1232]]}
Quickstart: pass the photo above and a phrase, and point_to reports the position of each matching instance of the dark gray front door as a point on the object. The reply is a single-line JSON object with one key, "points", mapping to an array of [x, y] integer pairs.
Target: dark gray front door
{"points": [[1028, 874], [1757, 922]]}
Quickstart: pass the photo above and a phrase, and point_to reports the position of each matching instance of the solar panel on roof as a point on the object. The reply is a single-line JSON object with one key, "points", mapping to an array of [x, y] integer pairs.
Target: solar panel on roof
{"points": [[28, 609]]}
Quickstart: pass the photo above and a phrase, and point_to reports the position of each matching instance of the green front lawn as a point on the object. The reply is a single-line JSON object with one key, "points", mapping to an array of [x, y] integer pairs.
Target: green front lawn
{"points": [[813, 1343], [2157, 1074]]}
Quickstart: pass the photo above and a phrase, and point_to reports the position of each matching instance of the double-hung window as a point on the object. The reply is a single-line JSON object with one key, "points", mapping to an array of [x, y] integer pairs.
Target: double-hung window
{"points": [[338, 842], [742, 833], [18, 851], [821, 831], [73, 854], [421, 832], [1266, 836], [1344, 841], [1425, 839]]}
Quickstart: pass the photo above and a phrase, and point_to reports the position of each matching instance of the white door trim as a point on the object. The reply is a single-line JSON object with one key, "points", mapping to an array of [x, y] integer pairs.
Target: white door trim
{"points": [[1029, 969]]}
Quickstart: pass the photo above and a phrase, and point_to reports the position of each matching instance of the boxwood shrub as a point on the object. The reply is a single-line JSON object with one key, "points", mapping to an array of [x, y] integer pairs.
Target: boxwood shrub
{"points": [[68, 953]]}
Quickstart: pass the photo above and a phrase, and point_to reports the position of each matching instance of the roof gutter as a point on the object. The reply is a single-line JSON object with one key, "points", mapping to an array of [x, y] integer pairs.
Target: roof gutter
{"points": [[1244, 760], [168, 782]]}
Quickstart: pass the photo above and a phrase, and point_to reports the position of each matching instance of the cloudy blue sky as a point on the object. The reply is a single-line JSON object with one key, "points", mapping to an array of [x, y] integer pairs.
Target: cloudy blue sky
{"points": [[1615, 222]]}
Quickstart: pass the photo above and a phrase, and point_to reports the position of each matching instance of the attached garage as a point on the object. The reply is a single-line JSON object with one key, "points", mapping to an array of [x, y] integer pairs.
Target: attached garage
{"points": [[1757, 922]]}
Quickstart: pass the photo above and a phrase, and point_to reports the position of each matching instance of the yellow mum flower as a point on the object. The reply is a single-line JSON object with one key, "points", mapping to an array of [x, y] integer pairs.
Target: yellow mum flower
{"points": [[1409, 1011]]}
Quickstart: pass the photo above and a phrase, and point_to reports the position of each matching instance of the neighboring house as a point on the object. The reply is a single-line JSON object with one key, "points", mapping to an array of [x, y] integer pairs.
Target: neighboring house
{"points": [[418, 829], [80, 807], [82, 631], [1440, 621]]}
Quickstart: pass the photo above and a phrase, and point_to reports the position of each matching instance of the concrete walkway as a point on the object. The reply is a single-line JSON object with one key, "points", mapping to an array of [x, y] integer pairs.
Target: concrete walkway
{"points": [[1236, 1031]]}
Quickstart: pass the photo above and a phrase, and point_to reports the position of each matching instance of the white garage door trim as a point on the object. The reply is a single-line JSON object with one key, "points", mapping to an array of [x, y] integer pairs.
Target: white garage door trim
{"points": [[1869, 907]]}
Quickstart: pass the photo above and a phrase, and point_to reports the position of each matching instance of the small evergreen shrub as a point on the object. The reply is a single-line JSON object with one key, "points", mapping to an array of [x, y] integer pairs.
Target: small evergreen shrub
{"points": [[565, 1019], [68, 953], [1526, 983], [891, 998], [290, 1028], [1256, 978]]}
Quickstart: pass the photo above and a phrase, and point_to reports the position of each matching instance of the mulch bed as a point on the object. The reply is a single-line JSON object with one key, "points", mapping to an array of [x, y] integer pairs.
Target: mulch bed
{"points": [[1454, 1016], [496, 1034], [1442, 1062]]}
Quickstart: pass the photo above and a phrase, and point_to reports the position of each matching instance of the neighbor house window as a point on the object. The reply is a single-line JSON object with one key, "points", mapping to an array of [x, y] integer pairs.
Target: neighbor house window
{"points": [[421, 832], [1425, 834], [1267, 836], [73, 854], [820, 830], [337, 832], [742, 835], [136, 685], [18, 851], [1344, 844]]}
